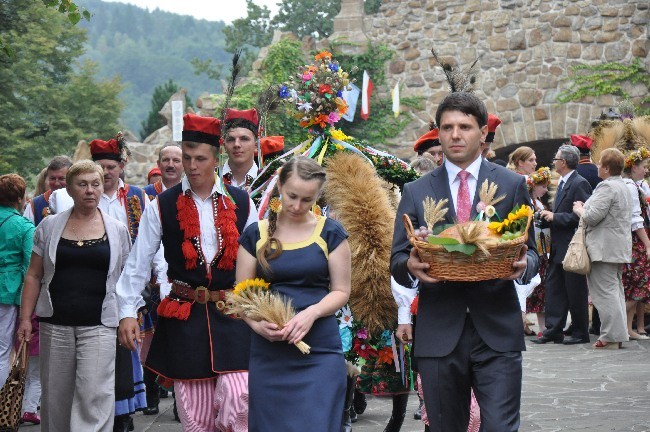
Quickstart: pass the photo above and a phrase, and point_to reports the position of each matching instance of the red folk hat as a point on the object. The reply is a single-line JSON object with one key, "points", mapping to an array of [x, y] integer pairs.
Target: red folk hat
{"points": [[200, 129], [100, 149], [581, 141], [271, 146], [426, 141], [493, 123], [242, 118], [155, 171]]}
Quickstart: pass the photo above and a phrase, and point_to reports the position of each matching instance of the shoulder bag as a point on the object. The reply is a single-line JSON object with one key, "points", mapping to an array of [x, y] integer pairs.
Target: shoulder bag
{"points": [[577, 259]]}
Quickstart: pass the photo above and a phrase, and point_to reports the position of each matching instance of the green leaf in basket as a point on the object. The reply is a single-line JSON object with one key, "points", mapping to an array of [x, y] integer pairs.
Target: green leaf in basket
{"points": [[467, 249], [442, 240]]}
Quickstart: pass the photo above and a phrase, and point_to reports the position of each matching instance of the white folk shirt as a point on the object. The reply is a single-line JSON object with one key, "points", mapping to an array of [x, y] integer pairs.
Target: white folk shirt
{"points": [[134, 274], [251, 172]]}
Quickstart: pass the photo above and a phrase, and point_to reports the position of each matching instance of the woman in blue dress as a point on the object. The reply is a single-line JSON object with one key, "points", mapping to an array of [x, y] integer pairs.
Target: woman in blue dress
{"points": [[306, 258]]}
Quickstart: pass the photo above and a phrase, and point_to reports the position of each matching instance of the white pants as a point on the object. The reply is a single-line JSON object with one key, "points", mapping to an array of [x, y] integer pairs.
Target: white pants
{"points": [[78, 378], [8, 314], [32, 396]]}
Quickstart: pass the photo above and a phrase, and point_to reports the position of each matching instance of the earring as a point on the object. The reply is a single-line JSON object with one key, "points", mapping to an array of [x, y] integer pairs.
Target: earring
{"points": [[275, 204]]}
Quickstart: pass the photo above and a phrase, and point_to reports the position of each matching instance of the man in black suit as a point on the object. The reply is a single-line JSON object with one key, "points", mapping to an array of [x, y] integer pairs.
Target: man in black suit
{"points": [[565, 291], [470, 334]]}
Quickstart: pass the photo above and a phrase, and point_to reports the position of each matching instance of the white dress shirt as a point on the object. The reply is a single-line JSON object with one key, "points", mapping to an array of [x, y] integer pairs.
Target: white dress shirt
{"points": [[454, 180], [403, 297], [251, 172], [129, 299]]}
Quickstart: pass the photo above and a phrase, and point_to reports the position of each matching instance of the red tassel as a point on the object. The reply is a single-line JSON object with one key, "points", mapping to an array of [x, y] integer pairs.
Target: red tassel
{"points": [[414, 305], [190, 254], [162, 308], [172, 309], [183, 312], [227, 223]]}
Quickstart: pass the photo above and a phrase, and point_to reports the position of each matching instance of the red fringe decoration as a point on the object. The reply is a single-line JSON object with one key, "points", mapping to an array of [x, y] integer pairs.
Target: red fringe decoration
{"points": [[188, 220], [190, 254], [227, 223], [169, 308], [414, 305], [183, 312]]}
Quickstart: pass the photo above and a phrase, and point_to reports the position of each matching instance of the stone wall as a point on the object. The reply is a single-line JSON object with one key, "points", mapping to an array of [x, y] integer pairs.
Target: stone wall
{"points": [[525, 49]]}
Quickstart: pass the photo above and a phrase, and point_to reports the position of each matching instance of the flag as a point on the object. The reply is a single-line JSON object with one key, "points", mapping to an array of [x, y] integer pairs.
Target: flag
{"points": [[366, 92], [396, 100], [351, 97]]}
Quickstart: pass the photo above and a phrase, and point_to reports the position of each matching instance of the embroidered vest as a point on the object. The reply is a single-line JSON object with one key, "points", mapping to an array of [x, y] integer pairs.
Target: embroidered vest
{"points": [[153, 190], [41, 207], [172, 239], [134, 208]]}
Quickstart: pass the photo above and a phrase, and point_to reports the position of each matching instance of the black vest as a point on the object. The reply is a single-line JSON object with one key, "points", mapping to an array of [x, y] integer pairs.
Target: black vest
{"points": [[208, 342], [172, 238]]}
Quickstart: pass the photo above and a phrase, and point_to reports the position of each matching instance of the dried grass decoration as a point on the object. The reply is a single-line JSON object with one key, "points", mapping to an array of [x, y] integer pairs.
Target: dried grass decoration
{"points": [[253, 298]]}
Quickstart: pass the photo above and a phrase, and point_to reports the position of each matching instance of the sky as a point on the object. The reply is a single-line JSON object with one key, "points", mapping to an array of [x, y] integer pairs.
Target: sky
{"points": [[211, 10]]}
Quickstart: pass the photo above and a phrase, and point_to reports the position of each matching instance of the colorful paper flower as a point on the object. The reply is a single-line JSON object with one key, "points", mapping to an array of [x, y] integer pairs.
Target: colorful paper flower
{"points": [[324, 88], [346, 338], [284, 92], [323, 55], [304, 107], [307, 76], [334, 67], [385, 355], [333, 117], [362, 333], [338, 134], [364, 349], [346, 318]]}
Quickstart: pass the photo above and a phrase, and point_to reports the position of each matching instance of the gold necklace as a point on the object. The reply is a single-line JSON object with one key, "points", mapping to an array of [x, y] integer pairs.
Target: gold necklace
{"points": [[80, 240]]}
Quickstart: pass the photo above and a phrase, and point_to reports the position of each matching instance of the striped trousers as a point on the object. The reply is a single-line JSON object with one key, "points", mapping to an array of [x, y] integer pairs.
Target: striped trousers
{"points": [[218, 404]]}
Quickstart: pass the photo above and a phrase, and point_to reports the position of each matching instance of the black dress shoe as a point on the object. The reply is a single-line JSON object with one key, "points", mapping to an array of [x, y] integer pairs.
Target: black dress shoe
{"points": [[575, 341], [544, 339], [152, 410]]}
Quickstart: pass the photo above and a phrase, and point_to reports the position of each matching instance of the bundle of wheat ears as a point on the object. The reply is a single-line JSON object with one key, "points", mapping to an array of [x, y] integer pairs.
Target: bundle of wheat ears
{"points": [[253, 298]]}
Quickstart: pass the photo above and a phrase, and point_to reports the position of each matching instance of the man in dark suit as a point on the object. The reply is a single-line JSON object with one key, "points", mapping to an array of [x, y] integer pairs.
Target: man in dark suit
{"points": [[565, 291], [470, 334]]}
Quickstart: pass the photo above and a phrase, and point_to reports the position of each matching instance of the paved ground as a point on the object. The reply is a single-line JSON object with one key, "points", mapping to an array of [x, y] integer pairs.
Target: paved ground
{"points": [[566, 388]]}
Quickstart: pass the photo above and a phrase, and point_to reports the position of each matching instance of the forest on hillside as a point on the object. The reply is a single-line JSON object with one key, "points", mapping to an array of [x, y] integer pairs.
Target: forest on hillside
{"points": [[146, 49]]}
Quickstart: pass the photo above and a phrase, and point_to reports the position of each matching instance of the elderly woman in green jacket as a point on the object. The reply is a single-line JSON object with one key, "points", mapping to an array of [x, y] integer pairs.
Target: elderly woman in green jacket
{"points": [[16, 241]]}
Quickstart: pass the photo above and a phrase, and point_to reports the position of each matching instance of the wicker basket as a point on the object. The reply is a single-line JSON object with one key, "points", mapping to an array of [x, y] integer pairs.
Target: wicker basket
{"points": [[457, 266]]}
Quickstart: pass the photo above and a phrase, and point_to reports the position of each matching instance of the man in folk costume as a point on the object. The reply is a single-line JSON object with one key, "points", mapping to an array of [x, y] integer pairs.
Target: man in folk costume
{"points": [[486, 146], [196, 345], [39, 207], [429, 143], [170, 166], [240, 143], [125, 203]]}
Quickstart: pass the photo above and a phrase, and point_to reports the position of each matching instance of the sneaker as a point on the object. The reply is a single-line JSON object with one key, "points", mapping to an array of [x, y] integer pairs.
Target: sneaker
{"points": [[32, 418]]}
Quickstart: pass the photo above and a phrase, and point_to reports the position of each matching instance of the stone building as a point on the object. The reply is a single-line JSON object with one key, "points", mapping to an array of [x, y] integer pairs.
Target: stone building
{"points": [[525, 49]]}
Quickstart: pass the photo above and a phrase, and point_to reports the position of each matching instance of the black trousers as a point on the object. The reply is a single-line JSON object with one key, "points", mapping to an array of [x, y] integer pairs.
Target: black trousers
{"points": [[566, 292], [494, 376]]}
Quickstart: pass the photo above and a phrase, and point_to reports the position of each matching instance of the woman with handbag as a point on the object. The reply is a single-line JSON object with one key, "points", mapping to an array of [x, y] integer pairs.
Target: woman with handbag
{"points": [[16, 238], [636, 275], [607, 219], [77, 259]]}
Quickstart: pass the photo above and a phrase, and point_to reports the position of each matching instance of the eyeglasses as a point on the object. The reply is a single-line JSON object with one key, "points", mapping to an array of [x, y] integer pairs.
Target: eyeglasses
{"points": [[557, 159]]}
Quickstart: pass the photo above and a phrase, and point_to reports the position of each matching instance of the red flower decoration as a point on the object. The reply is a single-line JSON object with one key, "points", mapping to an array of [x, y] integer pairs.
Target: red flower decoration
{"points": [[364, 349], [385, 355], [324, 88]]}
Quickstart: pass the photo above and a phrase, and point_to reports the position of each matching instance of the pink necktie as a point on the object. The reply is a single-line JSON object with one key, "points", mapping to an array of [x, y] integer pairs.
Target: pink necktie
{"points": [[463, 206]]}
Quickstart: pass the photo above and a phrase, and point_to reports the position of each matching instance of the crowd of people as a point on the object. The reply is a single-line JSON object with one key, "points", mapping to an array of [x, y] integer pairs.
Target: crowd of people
{"points": [[122, 291]]}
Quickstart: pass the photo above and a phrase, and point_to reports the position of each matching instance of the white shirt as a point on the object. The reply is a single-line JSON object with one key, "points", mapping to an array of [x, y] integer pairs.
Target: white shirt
{"points": [[29, 213], [565, 179], [251, 172], [454, 180], [133, 277], [403, 297]]}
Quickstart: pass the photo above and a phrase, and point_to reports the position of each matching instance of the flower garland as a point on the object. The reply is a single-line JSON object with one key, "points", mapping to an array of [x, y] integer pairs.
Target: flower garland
{"points": [[636, 156], [135, 213], [225, 222]]}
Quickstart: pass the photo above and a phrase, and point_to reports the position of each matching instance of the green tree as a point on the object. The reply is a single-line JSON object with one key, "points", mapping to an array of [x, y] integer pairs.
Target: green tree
{"points": [[161, 95], [45, 106], [254, 30], [307, 17]]}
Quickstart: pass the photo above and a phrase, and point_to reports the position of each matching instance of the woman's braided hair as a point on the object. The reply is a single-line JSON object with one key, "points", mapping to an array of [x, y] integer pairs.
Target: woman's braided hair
{"points": [[306, 169]]}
